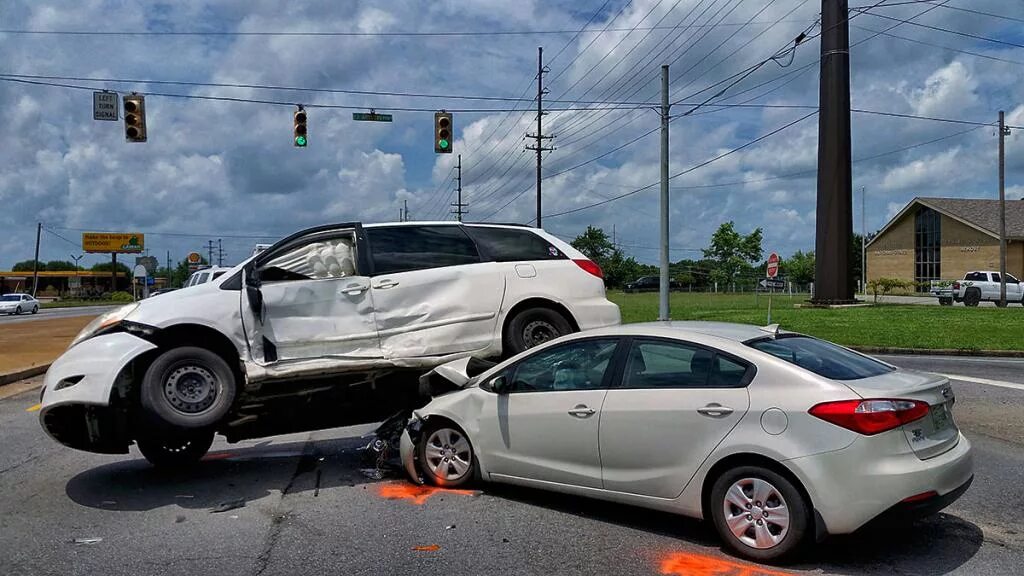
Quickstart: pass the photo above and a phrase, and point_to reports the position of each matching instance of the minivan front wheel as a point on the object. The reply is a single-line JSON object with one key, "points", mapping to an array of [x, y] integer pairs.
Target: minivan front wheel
{"points": [[532, 327], [187, 388], [177, 450]]}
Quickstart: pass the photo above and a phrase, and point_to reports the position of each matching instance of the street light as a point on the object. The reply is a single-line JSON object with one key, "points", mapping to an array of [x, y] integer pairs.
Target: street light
{"points": [[76, 259]]}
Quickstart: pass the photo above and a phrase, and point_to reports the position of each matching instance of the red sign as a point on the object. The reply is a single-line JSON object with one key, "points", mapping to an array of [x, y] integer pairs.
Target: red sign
{"points": [[773, 265]]}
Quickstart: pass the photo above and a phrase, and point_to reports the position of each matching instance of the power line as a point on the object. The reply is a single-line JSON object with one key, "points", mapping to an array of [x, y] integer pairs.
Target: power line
{"points": [[440, 33], [946, 30], [933, 45], [958, 8]]}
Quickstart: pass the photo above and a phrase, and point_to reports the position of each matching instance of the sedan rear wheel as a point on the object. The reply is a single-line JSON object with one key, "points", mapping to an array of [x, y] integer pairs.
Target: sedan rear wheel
{"points": [[446, 456], [759, 514]]}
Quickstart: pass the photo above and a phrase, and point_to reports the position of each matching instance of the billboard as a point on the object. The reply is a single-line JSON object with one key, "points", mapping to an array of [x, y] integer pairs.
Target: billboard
{"points": [[109, 242]]}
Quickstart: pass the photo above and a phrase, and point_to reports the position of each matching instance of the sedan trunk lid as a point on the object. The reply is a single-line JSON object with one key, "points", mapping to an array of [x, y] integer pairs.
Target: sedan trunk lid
{"points": [[931, 435]]}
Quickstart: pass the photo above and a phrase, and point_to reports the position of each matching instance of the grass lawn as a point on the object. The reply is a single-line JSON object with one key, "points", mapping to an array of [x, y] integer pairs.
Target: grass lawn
{"points": [[884, 325], [72, 303]]}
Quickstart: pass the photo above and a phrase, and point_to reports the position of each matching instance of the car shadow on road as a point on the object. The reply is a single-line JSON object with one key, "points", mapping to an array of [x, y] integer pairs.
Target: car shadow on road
{"points": [[934, 545], [231, 475]]}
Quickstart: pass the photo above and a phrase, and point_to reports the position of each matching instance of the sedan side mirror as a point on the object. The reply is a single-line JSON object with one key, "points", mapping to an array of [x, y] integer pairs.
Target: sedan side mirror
{"points": [[498, 385]]}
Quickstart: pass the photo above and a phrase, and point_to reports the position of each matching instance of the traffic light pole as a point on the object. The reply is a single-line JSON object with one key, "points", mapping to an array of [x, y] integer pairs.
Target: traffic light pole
{"points": [[663, 305], [539, 136]]}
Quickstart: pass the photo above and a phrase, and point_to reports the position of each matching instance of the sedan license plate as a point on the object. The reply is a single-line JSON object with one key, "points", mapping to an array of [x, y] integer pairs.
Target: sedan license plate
{"points": [[941, 416]]}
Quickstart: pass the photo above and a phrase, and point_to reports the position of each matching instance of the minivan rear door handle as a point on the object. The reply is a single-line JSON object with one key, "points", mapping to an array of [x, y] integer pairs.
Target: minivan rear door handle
{"points": [[384, 284]]}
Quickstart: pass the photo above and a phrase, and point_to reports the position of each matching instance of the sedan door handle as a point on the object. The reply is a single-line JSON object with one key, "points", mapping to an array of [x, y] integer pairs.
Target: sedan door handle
{"points": [[354, 289], [582, 411], [384, 284], [715, 410]]}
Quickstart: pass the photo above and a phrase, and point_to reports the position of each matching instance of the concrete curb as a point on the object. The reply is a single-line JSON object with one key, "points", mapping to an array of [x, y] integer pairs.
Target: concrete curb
{"points": [[939, 351], [22, 374]]}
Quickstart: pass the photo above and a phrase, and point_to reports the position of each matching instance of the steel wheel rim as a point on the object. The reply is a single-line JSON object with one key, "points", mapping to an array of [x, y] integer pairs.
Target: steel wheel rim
{"points": [[756, 513], [191, 389], [448, 455], [538, 332]]}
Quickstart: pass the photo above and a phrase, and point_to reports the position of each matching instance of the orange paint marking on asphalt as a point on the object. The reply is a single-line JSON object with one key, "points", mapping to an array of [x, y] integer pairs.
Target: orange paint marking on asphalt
{"points": [[686, 564], [428, 548], [416, 494], [34, 408]]}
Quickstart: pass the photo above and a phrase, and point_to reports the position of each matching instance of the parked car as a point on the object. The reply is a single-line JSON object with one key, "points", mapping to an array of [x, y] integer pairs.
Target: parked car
{"points": [[983, 286], [774, 437], [943, 290], [329, 327], [18, 304], [161, 291], [650, 284], [205, 275]]}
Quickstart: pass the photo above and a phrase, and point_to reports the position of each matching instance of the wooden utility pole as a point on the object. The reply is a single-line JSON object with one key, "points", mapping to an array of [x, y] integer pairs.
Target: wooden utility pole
{"points": [[458, 205], [539, 136], [1003, 133], [834, 226], [664, 284], [35, 261]]}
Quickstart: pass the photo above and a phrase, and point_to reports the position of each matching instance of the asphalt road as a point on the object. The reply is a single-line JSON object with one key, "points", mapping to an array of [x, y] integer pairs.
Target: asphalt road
{"points": [[48, 313], [309, 509]]}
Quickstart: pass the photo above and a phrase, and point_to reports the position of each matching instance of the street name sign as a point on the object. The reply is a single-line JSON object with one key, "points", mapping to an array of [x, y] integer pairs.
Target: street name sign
{"points": [[772, 283], [104, 106], [371, 117], [773, 265]]}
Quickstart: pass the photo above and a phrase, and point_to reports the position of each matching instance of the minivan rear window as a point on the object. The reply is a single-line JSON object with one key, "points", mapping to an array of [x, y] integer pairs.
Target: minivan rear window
{"points": [[404, 248], [511, 245], [821, 357]]}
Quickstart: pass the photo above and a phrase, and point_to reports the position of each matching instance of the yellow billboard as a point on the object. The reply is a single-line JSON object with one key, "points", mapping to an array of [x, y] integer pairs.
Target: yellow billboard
{"points": [[110, 242]]}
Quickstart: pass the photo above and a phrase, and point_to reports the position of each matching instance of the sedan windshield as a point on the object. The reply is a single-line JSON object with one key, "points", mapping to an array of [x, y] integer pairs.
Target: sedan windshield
{"points": [[821, 357], [10, 298]]}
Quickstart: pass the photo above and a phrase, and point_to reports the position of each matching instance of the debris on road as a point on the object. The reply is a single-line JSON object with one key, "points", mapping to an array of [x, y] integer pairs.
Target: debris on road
{"points": [[230, 505], [450, 527], [87, 540], [429, 548]]}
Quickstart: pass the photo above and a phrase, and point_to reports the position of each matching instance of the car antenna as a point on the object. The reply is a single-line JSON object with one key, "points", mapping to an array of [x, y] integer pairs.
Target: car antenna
{"points": [[772, 329]]}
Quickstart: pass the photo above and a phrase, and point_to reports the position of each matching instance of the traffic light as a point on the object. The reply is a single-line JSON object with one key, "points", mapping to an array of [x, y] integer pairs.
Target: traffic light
{"points": [[135, 118], [300, 128], [443, 131]]}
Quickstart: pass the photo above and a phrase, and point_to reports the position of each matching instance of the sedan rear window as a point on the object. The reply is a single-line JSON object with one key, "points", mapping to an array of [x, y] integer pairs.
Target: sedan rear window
{"points": [[821, 357]]}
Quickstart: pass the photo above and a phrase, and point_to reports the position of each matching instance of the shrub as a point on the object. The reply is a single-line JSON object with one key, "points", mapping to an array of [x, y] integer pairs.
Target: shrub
{"points": [[886, 285], [121, 297]]}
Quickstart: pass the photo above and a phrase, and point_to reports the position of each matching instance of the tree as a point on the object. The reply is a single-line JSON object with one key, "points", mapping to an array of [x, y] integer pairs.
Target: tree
{"points": [[27, 266], [58, 266], [799, 268], [105, 267], [617, 267], [594, 244], [733, 253]]}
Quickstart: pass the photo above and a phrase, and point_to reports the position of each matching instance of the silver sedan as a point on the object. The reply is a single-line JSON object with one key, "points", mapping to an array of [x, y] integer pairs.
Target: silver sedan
{"points": [[777, 438], [18, 304]]}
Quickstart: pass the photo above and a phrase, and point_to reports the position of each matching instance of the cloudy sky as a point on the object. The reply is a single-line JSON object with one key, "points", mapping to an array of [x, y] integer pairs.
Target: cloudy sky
{"points": [[227, 169]]}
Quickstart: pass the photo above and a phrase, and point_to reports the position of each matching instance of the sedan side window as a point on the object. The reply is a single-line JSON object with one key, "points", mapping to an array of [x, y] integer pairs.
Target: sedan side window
{"points": [[317, 260], [579, 365], [657, 364]]}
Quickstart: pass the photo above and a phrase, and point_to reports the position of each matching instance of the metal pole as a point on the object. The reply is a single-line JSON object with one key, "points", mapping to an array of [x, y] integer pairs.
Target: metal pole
{"points": [[1002, 210], [220, 253], [663, 309], [863, 240], [35, 261], [458, 204], [834, 224], [540, 114]]}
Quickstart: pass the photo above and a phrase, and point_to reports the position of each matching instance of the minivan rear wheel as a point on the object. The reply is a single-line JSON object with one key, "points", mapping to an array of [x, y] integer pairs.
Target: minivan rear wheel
{"points": [[532, 327]]}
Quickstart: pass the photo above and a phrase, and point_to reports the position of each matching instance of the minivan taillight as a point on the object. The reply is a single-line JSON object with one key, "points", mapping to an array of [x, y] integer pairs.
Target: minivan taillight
{"points": [[871, 416], [590, 266]]}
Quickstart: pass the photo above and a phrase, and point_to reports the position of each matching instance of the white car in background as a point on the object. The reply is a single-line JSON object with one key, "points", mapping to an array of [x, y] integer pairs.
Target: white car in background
{"points": [[775, 438], [329, 327], [18, 304], [205, 275]]}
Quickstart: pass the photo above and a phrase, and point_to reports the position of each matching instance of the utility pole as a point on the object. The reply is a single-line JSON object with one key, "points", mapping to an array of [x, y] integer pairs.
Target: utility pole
{"points": [[220, 253], [832, 282], [539, 136], [663, 310], [405, 217], [35, 261], [863, 240], [1003, 133], [209, 247], [170, 273], [458, 204]]}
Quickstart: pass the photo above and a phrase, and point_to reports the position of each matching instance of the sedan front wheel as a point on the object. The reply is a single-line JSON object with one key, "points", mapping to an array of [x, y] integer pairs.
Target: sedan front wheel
{"points": [[759, 514], [446, 456]]}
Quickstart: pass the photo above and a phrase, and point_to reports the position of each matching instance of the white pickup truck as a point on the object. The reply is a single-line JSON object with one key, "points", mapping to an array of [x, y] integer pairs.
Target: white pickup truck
{"points": [[983, 286]]}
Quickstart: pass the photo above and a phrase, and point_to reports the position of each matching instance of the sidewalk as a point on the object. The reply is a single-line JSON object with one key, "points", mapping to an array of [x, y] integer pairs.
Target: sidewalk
{"points": [[28, 348]]}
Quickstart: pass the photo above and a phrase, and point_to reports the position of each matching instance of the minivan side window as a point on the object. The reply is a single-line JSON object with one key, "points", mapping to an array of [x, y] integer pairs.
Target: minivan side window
{"points": [[405, 248], [316, 260], [511, 245]]}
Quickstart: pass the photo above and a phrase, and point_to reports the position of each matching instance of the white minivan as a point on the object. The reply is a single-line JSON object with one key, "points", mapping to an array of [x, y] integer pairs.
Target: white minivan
{"points": [[329, 327]]}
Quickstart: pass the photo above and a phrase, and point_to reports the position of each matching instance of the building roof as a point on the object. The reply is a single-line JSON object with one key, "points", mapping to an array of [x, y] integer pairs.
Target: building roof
{"points": [[980, 214]]}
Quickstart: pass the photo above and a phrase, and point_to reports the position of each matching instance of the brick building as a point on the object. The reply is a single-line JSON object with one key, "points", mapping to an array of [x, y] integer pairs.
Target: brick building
{"points": [[943, 238]]}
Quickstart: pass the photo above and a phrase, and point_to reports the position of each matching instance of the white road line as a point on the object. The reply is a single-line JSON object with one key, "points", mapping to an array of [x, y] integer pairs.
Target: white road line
{"points": [[985, 381]]}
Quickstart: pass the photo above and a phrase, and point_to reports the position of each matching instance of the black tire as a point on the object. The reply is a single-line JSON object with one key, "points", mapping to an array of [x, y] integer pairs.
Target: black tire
{"points": [[946, 301], [444, 446], [532, 327], [793, 537], [17, 311], [972, 298], [175, 451], [35, 310], [187, 388]]}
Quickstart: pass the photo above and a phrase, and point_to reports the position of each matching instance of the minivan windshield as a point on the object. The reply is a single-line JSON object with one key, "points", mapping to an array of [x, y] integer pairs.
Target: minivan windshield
{"points": [[821, 357]]}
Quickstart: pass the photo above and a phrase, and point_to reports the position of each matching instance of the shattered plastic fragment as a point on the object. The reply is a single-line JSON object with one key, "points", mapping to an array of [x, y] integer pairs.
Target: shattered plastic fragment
{"points": [[428, 548], [450, 527], [230, 505], [88, 540], [371, 473]]}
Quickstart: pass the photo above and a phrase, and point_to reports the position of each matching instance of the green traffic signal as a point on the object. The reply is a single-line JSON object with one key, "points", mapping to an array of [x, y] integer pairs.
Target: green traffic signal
{"points": [[442, 143], [300, 140]]}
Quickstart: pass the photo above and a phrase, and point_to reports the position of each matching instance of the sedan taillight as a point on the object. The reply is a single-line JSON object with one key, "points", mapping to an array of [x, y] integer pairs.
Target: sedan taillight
{"points": [[870, 416], [590, 266]]}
